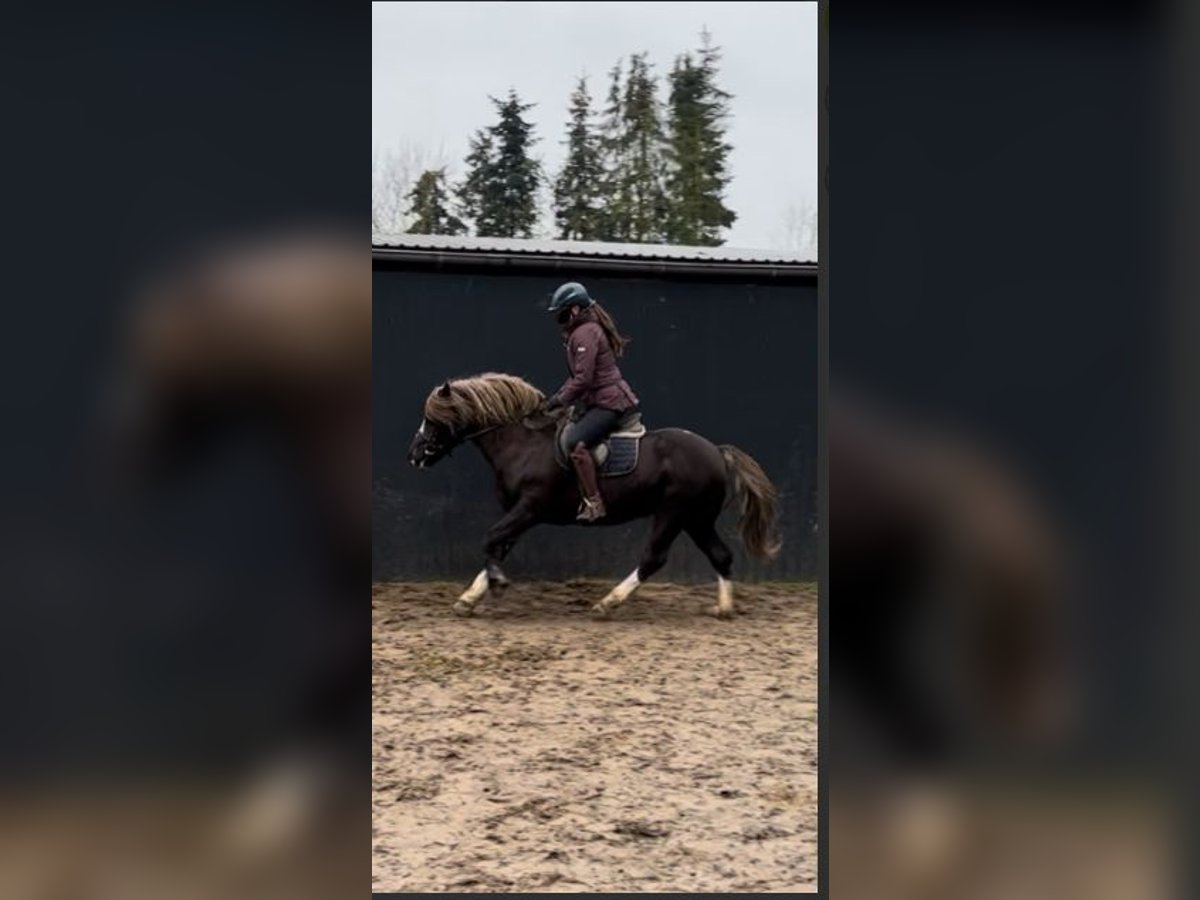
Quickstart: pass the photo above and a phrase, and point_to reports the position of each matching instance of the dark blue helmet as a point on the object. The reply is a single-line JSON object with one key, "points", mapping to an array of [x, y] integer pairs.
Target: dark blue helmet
{"points": [[570, 294]]}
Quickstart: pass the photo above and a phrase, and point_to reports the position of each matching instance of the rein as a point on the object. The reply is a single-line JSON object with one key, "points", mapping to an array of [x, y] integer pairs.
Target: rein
{"points": [[458, 441], [475, 434]]}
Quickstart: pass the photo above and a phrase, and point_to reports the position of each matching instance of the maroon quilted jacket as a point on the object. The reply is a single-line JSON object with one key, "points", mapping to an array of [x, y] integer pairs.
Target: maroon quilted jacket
{"points": [[595, 379]]}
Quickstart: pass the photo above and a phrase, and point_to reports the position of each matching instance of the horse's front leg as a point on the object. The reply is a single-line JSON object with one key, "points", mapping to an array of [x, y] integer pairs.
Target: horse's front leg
{"points": [[496, 579], [500, 540]]}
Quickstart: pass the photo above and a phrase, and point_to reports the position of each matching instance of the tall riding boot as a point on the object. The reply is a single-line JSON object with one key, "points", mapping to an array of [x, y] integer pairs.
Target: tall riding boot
{"points": [[585, 470]]}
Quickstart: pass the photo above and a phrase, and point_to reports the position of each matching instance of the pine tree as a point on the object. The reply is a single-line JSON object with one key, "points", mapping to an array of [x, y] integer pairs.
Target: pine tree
{"points": [[613, 224], [578, 203], [641, 182], [684, 152], [429, 206], [500, 192], [698, 152], [476, 193]]}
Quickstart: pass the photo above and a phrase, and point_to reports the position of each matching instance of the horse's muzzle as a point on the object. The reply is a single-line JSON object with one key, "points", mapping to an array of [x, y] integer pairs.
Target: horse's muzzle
{"points": [[423, 458]]}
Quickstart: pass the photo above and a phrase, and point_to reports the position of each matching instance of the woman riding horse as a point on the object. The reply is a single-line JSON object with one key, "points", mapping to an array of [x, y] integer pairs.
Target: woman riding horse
{"points": [[596, 386]]}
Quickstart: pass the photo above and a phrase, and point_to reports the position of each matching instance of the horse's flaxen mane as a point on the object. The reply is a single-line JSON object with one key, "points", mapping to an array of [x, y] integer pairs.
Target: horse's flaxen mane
{"points": [[492, 398]]}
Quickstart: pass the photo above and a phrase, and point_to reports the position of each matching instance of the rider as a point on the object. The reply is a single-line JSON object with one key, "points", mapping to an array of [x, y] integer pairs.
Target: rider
{"points": [[595, 386]]}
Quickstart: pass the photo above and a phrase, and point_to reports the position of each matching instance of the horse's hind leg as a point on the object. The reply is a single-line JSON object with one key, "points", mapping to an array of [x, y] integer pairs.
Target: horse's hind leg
{"points": [[721, 557], [666, 529]]}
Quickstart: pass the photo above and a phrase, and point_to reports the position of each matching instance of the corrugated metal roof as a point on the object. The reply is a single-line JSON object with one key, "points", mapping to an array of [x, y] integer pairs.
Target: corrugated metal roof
{"points": [[587, 249]]}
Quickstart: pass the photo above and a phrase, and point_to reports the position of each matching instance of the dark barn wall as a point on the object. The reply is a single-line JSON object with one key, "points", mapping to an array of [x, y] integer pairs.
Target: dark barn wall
{"points": [[733, 360]]}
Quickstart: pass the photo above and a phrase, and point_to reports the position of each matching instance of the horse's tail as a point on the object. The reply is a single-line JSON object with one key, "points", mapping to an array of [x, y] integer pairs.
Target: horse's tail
{"points": [[758, 501]]}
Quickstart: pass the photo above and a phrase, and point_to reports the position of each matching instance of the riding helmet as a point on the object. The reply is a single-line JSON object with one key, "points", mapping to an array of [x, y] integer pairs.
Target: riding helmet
{"points": [[570, 294]]}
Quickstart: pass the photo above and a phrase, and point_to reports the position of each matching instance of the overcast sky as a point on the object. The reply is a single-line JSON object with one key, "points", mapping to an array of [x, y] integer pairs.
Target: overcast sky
{"points": [[434, 65]]}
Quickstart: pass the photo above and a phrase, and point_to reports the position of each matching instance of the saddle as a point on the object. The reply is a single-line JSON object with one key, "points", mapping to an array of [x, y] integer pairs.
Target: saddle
{"points": [[617, 455]]}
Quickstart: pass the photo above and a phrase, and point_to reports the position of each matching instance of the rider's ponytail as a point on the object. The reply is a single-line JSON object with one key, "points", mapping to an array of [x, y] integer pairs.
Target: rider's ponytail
{"points": [[616, 340]]}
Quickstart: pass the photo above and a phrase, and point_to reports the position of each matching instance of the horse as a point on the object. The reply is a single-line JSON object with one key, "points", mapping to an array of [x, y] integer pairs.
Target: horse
{"points": [[681, 480], [266, 337], [274, 331], [952, 584]]}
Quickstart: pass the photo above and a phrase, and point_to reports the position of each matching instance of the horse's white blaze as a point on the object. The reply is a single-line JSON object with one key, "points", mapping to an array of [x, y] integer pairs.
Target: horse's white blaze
{"points": [[477, 589], [621, 592], [724, 594]]}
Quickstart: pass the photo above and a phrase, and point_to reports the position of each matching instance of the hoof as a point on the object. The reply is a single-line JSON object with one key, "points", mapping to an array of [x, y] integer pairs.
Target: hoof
{"points": [[463, 608], [722, 612], [600, 612]]}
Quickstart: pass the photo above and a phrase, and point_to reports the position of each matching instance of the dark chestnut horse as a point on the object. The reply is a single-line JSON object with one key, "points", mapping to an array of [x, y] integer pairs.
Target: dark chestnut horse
{"points": [[681, 480]]}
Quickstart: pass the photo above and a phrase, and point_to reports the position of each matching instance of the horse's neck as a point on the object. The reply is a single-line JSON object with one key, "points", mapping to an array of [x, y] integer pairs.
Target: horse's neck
{"points": [[500, 445]]}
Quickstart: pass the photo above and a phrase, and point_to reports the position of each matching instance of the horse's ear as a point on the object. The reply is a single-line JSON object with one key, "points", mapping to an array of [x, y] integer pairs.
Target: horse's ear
{"points": [[444, 390]]}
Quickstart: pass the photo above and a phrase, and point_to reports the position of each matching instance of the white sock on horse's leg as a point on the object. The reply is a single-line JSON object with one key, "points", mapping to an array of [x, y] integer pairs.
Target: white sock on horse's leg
{"points": [[477, 589], [622, 591], [724, 596]]}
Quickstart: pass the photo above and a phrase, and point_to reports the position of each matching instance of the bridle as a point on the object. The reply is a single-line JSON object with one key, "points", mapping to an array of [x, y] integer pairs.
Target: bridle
{"points": [[457, 440]]}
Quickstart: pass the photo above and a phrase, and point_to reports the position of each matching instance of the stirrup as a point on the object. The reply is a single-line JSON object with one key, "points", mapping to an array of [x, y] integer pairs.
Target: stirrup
{"points": [[591, 510]]}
